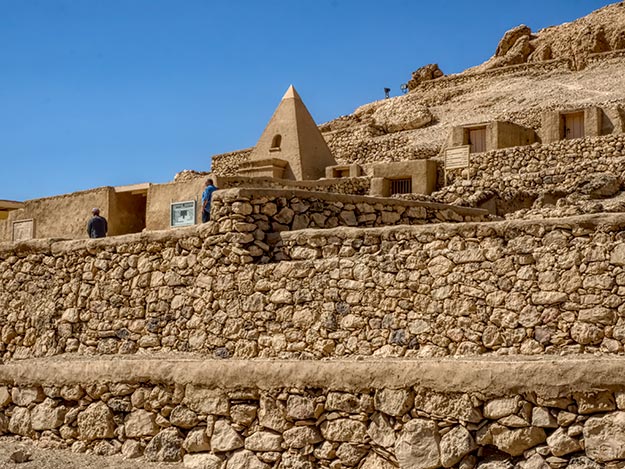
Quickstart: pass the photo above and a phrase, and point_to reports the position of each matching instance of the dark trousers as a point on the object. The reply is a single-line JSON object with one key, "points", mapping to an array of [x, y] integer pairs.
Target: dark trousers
{"points": [[206, 215]]}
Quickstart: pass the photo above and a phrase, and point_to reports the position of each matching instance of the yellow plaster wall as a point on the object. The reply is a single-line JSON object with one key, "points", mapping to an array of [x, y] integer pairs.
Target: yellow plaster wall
{"points": [[63, 216], [161, 196]]}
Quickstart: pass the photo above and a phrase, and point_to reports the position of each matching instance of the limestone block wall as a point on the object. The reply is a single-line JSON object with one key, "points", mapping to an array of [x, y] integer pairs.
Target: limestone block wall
{"points": [[255, 217], [563, 166], [308, 415], [505, 288]]}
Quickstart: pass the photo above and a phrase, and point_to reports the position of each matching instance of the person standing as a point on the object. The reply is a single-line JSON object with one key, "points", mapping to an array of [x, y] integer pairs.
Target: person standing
{"points": [[97, 226], [207, 195]]}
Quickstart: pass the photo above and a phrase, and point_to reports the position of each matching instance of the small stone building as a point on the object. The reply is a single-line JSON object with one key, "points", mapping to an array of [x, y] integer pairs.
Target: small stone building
{"points": [[487, 136], [128, 209], [592, 121]]}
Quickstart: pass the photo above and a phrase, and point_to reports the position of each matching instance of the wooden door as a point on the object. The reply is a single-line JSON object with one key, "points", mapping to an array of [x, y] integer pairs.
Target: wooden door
{"points": [[574, 125], [477, 140]]}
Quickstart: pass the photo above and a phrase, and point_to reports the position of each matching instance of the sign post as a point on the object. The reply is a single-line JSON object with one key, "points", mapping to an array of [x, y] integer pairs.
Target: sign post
{"points": [[457, 158]]}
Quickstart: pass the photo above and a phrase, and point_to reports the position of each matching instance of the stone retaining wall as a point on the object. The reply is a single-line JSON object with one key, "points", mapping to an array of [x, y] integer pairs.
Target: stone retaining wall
{"points": [[565, 166], [344, 186], [449, 81], [382, 415], [256, 216], [517, 287]]}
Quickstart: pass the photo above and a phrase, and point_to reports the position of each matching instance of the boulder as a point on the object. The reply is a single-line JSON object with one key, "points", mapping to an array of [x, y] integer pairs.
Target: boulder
{"points": [[165, 447], [96, 422], [426, 73], [417, 445], [398, 114], [604, 436], [510, 38]]}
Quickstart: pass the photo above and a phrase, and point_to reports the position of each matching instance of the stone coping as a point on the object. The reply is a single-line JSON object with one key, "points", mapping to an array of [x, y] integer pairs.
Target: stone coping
{"points": [[579, 224], [490, 377], [582, 223], [233, 194]]}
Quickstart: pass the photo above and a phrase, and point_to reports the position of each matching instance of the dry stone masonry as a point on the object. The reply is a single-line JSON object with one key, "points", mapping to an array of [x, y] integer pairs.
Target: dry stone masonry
{"points": [[304, 426]]}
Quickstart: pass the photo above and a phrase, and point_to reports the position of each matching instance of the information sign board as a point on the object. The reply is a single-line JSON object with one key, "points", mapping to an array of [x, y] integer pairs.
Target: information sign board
{"points": [[183, 213]]}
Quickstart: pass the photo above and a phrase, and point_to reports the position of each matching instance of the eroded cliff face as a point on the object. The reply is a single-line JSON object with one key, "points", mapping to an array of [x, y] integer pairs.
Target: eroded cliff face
{"points": [[554, 68], [600, 31]]}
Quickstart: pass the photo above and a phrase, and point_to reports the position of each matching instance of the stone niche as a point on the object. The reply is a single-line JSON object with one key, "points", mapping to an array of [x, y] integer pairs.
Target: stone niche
{"points": [[404, 177], [487, 136], [567, 124]]}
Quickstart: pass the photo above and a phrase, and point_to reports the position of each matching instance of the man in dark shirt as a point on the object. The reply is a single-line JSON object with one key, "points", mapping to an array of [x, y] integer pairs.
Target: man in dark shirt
{"points": [[97, 226]]}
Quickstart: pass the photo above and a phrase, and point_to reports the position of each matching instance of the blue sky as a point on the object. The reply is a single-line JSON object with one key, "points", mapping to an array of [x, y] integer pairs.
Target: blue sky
{"points": [[113, 92]]}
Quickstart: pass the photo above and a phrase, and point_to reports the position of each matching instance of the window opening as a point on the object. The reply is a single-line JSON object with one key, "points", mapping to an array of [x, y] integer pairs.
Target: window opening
{"points": [[401, 186], [276, 141]]}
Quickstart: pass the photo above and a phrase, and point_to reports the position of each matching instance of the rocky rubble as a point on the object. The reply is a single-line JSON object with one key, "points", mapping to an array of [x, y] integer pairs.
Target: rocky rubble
{"points": [[313, 428]]}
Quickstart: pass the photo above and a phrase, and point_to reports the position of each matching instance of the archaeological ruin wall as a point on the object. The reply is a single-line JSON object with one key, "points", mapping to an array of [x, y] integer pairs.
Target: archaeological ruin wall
{"points": [[460, 289], [238, 385], [217, 330], [379, 415], [560, 168]]}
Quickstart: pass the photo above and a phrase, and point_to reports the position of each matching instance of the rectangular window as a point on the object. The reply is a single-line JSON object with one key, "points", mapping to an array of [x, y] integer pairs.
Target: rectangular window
{"points": [[401, 186]]}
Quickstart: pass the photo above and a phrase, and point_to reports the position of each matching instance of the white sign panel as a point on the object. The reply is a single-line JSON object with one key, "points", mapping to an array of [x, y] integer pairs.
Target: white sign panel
{"points": [[457, 157], [23, 230], [183, 213]]}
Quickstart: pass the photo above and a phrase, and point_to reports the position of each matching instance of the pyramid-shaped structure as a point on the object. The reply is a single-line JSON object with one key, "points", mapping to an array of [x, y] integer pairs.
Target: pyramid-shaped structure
{"points": [[290, 141]]}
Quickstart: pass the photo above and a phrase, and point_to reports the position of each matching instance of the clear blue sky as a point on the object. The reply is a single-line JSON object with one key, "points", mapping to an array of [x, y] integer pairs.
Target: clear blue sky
{"points": [[114, 92]]}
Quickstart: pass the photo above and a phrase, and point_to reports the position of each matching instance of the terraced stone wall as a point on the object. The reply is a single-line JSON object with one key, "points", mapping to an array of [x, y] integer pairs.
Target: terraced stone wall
{"points": [[504, 288], [384, 415], [591, 166], [345, 186]]}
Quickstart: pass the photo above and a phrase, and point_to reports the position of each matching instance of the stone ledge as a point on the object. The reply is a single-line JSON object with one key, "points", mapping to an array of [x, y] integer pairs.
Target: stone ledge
{"points": [[233, 194], [491, 377]]}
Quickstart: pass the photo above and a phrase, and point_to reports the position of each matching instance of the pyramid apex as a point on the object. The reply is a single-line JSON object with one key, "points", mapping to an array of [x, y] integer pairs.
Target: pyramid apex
{"points": [[291, 93]]}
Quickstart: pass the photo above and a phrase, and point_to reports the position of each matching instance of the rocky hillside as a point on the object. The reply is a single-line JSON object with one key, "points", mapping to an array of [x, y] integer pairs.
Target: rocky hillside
{"points": [[601, 31], [530, 73]]}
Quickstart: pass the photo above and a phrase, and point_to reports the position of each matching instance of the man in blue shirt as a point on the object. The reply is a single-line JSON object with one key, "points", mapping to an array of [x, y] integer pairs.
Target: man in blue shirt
{"points": [[209, 188], [97, 226]]}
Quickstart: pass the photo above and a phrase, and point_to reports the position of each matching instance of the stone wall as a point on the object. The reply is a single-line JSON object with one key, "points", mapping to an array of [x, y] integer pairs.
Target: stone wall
{"points": [[255, 217], [364, 144], [345, 186], [548, 287], [566, 166], [61, 216], [227, 164], [307, 415]]}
